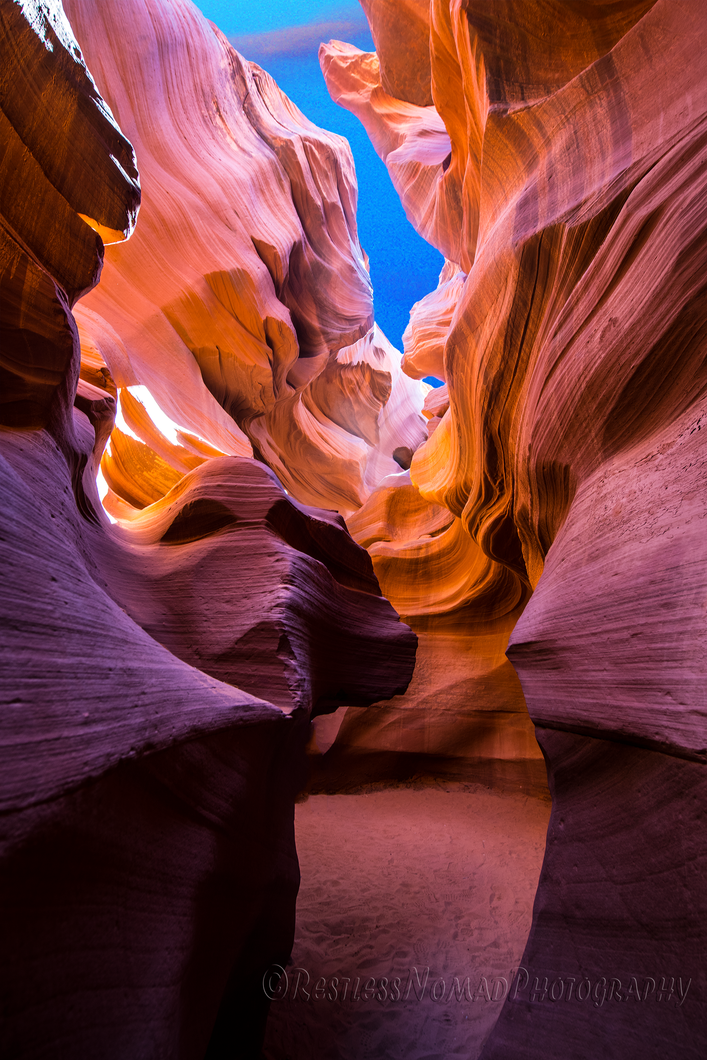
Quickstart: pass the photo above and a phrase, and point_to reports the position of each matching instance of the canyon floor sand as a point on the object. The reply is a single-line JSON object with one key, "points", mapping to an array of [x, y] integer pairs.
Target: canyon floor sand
{"points": [[438, 878]]}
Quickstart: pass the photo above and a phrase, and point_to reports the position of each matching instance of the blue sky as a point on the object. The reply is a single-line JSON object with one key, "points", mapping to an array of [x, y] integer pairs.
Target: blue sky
{"points": [[403, 266], [258, 16]]}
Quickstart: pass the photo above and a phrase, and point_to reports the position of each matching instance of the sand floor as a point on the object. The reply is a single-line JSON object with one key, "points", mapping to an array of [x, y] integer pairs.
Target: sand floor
{"points": [[395, 882]]}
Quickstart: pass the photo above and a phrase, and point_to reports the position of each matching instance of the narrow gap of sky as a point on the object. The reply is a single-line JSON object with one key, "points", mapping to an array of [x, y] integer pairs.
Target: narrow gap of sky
{"points": [[283, 37]]}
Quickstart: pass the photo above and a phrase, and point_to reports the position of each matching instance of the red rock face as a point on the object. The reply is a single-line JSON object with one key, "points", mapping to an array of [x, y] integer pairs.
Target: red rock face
{"points": [[158, 677], [159, 674], [49, 250], [571, 202], [251, 308]]}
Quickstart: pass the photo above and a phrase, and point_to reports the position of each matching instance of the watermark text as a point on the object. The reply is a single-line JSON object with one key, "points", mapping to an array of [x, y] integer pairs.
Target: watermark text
{"points": [[417, 984]]}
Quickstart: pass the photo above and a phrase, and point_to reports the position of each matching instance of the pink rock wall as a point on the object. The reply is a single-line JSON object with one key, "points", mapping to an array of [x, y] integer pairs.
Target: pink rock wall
{"points": [[159, 674], [570, 199], [251, 309], [157, 677]]}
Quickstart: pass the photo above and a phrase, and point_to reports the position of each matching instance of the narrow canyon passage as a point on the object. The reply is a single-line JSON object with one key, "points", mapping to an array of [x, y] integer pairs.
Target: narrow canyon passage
{"points": [[269, 566], [424, 883]]}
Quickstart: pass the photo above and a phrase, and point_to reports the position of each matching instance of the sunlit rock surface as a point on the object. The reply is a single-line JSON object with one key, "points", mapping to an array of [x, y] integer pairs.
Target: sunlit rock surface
{"points": [[157, 676], [245, 280], [463, 718], [411, 139], [430, 319], [571, 197]]}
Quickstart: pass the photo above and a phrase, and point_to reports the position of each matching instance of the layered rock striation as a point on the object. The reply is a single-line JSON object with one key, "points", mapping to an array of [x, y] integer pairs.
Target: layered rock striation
{"points": [[159, 672], [158, 675], [559, 166], [250, 314]]}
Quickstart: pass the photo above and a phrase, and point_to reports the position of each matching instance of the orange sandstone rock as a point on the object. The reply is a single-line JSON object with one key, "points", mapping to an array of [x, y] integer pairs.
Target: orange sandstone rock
{"points": [[245, 279], [412, 141], [49, 250], [400, 33], [571, 454], [430, 319], [147, 794]]}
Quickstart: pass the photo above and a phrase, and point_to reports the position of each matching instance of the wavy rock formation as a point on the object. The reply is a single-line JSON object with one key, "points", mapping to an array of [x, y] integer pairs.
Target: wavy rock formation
{"points": [[411, 139], [245, 281], [430, 319], [222, 618], [571, 197], [53, 219], [157, 677], [463, 718]]}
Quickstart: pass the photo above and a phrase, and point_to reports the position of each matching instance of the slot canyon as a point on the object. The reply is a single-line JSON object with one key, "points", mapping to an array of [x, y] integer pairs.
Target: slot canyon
{"points": [[352, 698]]}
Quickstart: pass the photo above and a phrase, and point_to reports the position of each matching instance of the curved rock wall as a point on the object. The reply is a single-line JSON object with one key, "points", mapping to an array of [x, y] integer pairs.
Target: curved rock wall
{"points": [[571, 201], [50, 252], [157, 677], [248, 290]]}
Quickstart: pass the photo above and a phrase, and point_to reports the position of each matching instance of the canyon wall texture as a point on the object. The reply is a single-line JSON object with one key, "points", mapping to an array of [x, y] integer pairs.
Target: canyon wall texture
{"points": [[243, 302], [158, 674], [555, 153]]}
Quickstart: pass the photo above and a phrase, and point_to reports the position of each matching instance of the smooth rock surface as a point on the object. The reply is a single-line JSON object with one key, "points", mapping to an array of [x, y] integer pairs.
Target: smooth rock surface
{"points": [[245, 280], [571, 198], [620, 910], [463, 717], [157, 677]]}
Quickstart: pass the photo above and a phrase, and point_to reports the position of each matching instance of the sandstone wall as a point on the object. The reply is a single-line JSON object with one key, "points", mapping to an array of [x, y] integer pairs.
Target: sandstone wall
{"points": [[559, 166], [158, 675]]}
